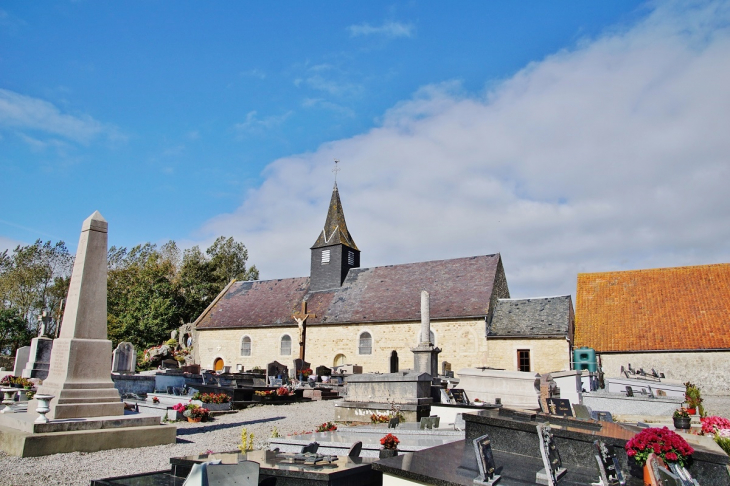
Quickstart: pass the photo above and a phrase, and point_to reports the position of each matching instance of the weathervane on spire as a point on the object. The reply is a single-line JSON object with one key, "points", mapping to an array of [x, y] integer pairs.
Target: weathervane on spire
{"points": [[336, 170]]}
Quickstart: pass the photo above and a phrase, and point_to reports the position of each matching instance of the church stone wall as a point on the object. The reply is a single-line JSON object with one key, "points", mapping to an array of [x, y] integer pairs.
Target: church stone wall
{"points": [[707, 369], [462, 343], [546, 355]]}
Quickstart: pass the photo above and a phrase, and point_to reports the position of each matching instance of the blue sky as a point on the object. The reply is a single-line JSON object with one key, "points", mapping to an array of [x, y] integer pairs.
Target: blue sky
{"points": [[533, 129]]}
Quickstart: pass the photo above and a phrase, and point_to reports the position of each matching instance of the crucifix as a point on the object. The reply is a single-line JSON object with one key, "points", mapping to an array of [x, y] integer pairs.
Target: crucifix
{"points": [[301, 318]]}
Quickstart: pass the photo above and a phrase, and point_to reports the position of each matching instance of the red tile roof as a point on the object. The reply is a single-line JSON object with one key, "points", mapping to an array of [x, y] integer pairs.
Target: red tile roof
{"points": [[683, 308], [458, 288]]}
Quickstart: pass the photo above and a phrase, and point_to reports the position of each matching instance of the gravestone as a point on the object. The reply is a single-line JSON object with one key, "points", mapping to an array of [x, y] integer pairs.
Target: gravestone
{"points": [[445, 398], [582, 412], [553, 469], [445, 368], [559, 406], [79, 377], [485, 461], [609, 469], [21, 359], [459, 396], [276, 370], [355, 450], [323, 371], [39, 358], [300, 364], [124, 359]]}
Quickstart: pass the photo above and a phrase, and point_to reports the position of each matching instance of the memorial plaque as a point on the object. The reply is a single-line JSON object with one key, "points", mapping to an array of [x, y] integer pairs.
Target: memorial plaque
{"points": [[459, 396], [560, 407], [608, 466], [554, 469], [485, 460]]}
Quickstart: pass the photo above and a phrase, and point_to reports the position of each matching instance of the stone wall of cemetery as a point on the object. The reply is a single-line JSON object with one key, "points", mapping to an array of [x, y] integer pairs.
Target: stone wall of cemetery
{"points": [[707, 369], [546, 355], [462, 343]]}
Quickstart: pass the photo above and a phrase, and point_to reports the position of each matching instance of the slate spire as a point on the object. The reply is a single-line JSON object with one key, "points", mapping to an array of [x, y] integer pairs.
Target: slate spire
{"points": [[335, 228]]}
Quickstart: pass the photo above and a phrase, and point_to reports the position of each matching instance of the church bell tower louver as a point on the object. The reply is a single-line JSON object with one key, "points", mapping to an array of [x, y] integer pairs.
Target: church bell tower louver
{"points": [[334, 253]]}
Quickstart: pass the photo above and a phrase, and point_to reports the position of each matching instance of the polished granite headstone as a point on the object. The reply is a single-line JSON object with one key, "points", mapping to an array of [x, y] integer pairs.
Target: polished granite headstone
{"points": [[553, 470], [607, 463], [485, 461]]}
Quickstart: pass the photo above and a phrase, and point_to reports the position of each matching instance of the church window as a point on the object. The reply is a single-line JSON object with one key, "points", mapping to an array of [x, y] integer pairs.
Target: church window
{"points": [[523, 359], [285, 349], [366, 343], [246, 346], [351, 258], [325, 256]]}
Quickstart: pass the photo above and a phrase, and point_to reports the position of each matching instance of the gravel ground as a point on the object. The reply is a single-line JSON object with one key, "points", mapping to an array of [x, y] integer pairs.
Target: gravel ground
{"points": [[222, 434]]}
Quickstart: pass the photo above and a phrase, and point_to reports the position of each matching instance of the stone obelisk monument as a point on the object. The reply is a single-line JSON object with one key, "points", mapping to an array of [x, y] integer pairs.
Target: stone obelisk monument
{"points": [[80, 372], [425, 355]]}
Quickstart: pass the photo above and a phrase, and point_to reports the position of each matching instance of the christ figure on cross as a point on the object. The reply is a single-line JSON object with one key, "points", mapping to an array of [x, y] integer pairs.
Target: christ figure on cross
{"points": [[301, 318]]}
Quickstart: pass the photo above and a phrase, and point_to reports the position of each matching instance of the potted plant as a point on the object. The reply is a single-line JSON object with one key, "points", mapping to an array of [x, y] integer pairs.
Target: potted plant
{"points": [[693, 398], [681, 419], [195, 413], [668, 445], [390, 446]]}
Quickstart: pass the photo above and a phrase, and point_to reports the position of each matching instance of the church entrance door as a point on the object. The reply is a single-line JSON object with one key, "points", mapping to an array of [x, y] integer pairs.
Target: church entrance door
{"points": [[218, 364]]}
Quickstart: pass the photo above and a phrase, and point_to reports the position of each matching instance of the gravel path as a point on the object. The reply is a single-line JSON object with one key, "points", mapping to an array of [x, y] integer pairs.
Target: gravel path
{"points": [[223, 434]]}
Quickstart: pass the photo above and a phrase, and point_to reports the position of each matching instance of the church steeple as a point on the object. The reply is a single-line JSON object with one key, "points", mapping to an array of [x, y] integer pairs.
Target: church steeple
{"points": [[334, 253], [335, 228]]}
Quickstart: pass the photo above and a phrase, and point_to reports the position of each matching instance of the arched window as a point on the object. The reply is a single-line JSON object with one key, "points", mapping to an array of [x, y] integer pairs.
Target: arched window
{"points": [[246, 346], [366, 343], [285, 349], [339, 360]]}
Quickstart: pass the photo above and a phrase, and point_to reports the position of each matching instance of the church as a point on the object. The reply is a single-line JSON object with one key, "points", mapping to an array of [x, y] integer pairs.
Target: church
{"points": [[344, 314]]}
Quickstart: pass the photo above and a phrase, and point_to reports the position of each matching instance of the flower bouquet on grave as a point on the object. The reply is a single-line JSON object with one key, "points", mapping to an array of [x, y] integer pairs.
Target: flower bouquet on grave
{"points": [[327, 427], [390, 446], [712, 425], [379, 418], [668, 445], [283, 391], [305, 372], [195, 413], [216, 398], [155, 400]]}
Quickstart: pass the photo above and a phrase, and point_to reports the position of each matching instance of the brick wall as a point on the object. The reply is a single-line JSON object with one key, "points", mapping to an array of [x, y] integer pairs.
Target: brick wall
{"points": [[462, 343]]}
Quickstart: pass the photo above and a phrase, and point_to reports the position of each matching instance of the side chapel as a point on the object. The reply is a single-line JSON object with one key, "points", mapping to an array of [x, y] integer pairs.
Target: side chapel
{"points": [[343, 314]]}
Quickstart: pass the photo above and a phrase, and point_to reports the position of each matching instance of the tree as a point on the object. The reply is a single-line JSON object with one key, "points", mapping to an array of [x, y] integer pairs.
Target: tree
{"points": [[14, 332], [142, 302], [33, 279], [229, 260]]}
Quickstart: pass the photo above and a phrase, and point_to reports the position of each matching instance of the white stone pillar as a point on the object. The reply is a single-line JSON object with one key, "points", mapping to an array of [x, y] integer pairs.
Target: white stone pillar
{"points": [[425, 318]]}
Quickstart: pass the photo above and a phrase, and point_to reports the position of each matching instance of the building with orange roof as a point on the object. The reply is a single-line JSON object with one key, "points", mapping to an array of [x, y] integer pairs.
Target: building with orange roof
{"points": [[674, 320]]}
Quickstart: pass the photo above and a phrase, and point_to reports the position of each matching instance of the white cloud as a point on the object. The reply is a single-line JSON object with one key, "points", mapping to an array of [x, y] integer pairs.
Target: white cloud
{"points": [[22, 112], [254, 124], [388, 29], [613, 155]]}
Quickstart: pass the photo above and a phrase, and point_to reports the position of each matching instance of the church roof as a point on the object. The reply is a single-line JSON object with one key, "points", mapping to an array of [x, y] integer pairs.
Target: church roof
{"points": [[335, 229], [681, 308], [545, 316], [459, 288]]}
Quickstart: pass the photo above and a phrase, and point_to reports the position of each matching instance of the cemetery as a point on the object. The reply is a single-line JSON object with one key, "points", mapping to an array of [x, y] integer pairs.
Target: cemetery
{"points": [[423, 424]]}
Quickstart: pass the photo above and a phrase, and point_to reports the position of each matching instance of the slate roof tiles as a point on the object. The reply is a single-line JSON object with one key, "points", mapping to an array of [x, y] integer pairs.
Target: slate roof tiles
{"points": [[458, 288], [543, 316]]}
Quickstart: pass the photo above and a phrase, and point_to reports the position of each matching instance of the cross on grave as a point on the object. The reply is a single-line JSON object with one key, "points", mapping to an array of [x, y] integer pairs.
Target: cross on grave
{"points": [[301, 318]]}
